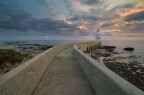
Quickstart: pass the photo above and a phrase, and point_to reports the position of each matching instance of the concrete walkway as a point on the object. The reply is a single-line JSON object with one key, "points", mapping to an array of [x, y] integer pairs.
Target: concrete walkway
{"points": [[64, 77]]}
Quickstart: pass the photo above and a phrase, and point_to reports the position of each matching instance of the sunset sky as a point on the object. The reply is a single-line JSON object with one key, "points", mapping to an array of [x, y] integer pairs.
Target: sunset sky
{"points": [[71, 19]]}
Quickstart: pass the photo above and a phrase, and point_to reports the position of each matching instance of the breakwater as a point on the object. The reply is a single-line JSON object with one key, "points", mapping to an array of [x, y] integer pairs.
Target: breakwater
{"points": [[24, 79], [103, 80]]}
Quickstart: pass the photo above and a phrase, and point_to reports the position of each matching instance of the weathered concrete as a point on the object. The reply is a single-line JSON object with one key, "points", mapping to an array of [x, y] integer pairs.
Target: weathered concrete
{"points": [[88, 46], [64, 77], [103, 80], [23, 79], [51, 73]]}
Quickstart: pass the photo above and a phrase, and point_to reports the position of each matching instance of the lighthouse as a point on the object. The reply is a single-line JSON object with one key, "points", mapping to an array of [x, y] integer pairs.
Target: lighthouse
{"points": [[97, 36]]}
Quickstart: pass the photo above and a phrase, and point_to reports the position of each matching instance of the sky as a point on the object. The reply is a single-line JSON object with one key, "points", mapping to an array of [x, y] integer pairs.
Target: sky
{"points": [[71, 19]]}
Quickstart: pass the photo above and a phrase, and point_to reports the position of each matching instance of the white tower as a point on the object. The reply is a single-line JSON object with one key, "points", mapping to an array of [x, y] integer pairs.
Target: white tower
{"points": [[97, 36]]}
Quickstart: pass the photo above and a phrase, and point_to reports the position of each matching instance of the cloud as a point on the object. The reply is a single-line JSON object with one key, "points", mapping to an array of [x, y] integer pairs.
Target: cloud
{"points": [[107, 24], [128, 17], [106, 34], [70, 17], [14, 17], [134, 28], [83, 33], [90, 2], [46, 26], [10, 11], [84, 17], [135, 17]]}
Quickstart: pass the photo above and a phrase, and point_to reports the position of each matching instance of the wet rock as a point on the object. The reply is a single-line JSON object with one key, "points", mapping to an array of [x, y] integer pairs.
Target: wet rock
{"points": [[115, 52], [129, 49], [105, 55], [132, 72], [122, 64], [109, 48], [30, 47]]}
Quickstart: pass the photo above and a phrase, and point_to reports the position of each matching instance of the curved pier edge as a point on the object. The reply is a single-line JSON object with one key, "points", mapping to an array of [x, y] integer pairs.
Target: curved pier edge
{"points": [[103, 80], [23, 79]]}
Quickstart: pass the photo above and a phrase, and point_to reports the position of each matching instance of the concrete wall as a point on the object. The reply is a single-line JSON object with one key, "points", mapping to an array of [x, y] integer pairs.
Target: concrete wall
{"points": [[88, 46], [23, 79], [103, 80]]}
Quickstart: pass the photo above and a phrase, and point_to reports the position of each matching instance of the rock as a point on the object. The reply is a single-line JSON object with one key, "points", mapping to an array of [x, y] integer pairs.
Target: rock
{"points": [[115, 52], [9, 56], [129, 49], [106, 54], [108, 48], [30, 47]]}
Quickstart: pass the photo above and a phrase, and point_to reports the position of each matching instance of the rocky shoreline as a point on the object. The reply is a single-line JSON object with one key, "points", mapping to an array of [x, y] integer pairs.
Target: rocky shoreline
{"points": [[11, 58], [122, 64]]}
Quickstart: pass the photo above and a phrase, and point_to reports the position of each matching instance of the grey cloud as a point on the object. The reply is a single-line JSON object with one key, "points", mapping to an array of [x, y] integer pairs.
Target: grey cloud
{"points": [[135, 17], [84, 17], [44, 2], [47, 26], [137, 28], [12, 12], [107, 24], [129, 6], [112, 13], [83, 33], [90, 2], [97, 12], [106, 34], [13, 17], [125, 6]]}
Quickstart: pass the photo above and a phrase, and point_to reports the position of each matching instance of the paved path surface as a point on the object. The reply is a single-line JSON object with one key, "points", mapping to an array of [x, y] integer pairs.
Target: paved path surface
{"points": [[64, 77]]}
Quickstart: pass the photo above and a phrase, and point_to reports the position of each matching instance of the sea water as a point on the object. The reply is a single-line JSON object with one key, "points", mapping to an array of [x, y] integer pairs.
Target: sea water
{"points": [[120, 44], [46, 42]]}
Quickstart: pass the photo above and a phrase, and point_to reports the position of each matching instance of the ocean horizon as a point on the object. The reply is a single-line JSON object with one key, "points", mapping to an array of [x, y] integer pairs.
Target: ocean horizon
{"points": [[138, 45]]}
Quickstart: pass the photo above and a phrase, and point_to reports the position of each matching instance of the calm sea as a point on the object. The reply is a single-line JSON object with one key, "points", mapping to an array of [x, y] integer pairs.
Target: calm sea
{"points": [[120, 44], [46, 42]]}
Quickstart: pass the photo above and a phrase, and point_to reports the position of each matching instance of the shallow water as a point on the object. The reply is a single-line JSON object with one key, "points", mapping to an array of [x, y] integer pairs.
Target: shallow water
{"points": [[121, 44], [137, 45]]}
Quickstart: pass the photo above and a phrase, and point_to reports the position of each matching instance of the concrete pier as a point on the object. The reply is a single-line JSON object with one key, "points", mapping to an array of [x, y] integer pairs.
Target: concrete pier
{"points": [[64, 77], [65, 70]]}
